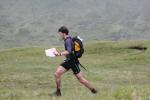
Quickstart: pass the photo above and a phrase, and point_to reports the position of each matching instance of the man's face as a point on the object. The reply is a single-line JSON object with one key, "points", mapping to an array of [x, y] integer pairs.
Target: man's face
{"points": [[61, 35]]}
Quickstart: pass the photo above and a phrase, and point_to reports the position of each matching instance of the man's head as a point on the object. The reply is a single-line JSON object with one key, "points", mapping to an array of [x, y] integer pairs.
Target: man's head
{"points": [[63, 31]]}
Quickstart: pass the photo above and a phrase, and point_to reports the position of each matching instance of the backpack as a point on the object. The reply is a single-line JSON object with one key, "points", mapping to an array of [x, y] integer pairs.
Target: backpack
{"points": [[78, 46]]}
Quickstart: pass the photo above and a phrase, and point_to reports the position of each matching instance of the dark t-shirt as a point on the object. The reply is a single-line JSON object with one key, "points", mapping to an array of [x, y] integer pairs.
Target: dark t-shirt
{"points": [[69, 47]]}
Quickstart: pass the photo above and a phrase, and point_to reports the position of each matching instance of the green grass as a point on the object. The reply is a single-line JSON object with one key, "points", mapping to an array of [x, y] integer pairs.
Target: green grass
{"points": [[117, 72]]}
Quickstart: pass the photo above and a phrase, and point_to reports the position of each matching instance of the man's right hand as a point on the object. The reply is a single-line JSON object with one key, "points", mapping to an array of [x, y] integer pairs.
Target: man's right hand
{"points": [[57, 53]]}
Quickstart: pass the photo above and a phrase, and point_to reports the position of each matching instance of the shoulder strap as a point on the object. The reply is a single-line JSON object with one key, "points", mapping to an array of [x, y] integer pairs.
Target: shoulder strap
{"points": [[69, 37]]}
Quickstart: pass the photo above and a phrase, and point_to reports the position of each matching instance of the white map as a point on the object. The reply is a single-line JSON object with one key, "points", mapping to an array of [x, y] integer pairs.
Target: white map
{"points": [[50, 52]]}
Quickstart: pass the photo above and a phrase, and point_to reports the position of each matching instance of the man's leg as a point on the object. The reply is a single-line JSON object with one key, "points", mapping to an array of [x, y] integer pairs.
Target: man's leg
{"points": [[85, 82], [58, 73]]}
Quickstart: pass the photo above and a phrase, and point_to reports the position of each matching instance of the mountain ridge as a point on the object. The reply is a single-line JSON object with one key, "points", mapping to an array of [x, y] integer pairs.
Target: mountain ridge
{"points": [[33, 22]]}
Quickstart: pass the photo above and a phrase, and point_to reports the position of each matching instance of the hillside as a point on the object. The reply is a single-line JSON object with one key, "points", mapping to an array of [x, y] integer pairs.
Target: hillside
{"points": [[118, 72], [35, 22]]}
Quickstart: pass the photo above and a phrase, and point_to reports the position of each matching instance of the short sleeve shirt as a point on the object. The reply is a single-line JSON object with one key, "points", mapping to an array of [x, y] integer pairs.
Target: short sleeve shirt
{"points": [[69, 47]]}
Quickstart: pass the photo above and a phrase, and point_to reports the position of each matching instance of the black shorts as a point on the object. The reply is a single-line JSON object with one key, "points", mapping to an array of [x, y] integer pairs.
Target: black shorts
{"points": [[74, 65]]}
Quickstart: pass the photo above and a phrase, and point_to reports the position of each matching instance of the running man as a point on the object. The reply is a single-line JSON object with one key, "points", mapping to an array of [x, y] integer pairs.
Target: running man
{"points": [[69, 63]]}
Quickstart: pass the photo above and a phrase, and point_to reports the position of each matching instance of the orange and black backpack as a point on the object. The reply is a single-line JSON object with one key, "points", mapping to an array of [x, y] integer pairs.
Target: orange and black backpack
{"points": [[78, 46]]}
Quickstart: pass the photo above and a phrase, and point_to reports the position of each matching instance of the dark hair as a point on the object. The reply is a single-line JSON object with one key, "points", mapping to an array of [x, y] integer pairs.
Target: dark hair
{"points": [[63, 29]]}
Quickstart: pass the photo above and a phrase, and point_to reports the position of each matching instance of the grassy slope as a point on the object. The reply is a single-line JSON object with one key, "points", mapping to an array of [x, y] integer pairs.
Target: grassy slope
{"points": [[118, 73]]}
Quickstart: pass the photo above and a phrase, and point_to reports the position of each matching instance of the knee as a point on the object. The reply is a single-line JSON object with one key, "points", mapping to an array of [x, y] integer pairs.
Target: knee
{"points": [[57, 75]]}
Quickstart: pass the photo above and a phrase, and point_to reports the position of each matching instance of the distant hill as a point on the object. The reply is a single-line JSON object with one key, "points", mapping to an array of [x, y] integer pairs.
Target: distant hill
{"points": [[35, 22]]}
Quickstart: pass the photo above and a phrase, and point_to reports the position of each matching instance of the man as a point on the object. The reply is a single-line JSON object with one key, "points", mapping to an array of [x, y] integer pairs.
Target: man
{"points": [[69, 63]]}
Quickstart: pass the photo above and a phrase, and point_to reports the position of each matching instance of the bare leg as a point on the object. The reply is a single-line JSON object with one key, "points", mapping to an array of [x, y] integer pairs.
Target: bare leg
{"points": [[85, 82], [58, 73]]}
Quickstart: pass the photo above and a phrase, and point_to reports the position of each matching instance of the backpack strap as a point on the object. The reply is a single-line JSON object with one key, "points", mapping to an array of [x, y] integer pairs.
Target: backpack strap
{"points": [[82, 66], [79, 63]]}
